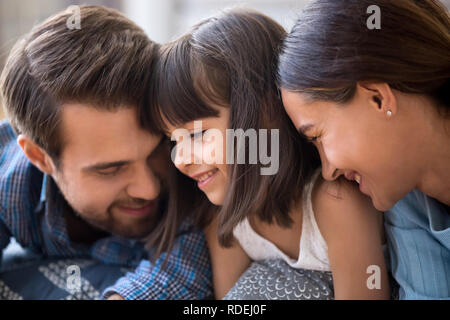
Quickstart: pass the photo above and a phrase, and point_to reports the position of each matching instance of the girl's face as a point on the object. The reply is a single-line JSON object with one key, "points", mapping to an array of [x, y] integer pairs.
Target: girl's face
{"points": [[201, 155], [361, 140]]}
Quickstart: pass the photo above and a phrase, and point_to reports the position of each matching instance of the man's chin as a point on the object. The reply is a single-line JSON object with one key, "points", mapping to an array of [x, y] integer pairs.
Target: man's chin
{"points": [[135, 231], [134, 235], [135, 227]]}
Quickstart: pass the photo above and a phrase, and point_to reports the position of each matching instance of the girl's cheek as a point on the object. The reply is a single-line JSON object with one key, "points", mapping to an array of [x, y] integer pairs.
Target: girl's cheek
{"points": [[213, 152], [182, 155]]}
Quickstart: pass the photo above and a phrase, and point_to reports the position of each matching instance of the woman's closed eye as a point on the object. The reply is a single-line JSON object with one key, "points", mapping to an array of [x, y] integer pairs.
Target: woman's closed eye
{"points": [[311, 139]]}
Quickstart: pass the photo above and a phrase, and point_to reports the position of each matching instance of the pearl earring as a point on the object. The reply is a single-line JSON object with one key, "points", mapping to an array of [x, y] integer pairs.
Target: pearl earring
{"points": [[389, 113]]}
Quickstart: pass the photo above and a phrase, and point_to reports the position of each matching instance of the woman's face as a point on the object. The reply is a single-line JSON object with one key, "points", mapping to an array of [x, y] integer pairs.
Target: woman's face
{"points": [[361, 141], [200, 153]]}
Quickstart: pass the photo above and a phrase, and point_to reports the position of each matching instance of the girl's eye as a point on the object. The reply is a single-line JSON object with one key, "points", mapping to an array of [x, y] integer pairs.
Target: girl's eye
{"points": [[198, 134]]}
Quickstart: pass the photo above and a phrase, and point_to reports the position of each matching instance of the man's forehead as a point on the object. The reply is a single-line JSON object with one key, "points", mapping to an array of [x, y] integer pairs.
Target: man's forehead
{"points": [[95, 133], [79, 115]]}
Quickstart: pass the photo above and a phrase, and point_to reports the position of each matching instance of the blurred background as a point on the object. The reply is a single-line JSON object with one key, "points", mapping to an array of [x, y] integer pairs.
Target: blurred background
{"points": [[163, 20]]}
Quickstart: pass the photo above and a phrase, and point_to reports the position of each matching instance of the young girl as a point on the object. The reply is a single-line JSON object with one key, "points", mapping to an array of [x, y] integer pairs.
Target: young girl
{"points": [[222, 74]]}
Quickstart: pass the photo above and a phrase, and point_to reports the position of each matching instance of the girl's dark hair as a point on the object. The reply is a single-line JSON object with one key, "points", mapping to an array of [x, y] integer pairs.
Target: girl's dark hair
{"points": [[330, 49], [230, 61]]}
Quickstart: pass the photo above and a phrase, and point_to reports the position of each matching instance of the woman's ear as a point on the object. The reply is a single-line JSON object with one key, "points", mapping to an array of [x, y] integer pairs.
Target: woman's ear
{"points": [[381, 97], [35, 154]]}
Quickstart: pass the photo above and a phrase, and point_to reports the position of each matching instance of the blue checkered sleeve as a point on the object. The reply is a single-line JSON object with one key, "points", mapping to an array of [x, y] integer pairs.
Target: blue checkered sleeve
{"points": [[5, 237], [186, 275]]}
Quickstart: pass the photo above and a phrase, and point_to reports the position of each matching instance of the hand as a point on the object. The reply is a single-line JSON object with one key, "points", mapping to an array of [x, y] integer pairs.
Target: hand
{"points": [[115, 297]]}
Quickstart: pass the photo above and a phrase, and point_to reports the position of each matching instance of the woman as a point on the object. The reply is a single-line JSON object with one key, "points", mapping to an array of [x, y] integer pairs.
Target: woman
{"points": [[376, 104]]}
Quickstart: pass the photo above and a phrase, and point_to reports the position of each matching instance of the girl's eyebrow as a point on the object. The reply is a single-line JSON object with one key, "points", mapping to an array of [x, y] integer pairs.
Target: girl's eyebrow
{"points": [[189, 127]]}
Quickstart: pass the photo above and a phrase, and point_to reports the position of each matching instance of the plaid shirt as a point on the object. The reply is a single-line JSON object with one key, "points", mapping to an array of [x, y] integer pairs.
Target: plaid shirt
{"points": [[187, 263], [32, 211]]}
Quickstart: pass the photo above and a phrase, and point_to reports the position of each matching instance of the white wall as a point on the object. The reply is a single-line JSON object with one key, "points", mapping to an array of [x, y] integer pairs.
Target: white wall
{"points": [[164, 20], [154, 16]]}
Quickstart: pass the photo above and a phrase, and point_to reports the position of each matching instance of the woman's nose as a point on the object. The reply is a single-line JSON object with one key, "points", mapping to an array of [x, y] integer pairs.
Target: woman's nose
{"points": [[329, 172]]}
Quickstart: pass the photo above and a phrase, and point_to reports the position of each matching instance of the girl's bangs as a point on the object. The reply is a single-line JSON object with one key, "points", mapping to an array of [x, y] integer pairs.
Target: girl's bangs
{"points": [[184, 93]]}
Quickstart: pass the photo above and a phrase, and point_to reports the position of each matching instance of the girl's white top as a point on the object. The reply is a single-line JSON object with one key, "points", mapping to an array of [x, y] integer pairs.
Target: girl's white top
{"points": [[313, 253]]}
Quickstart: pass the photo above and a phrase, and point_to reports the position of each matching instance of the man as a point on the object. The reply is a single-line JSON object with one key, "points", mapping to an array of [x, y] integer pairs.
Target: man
{"points": [[80, 174]]}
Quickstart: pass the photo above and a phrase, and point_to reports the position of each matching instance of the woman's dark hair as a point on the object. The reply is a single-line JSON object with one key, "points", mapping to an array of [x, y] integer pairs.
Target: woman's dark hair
{"points": [[230, 61], [330, 49]]}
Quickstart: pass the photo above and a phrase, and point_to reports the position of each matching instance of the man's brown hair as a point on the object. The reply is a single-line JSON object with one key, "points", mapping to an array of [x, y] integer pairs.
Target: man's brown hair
{"points": [[106, 64]]}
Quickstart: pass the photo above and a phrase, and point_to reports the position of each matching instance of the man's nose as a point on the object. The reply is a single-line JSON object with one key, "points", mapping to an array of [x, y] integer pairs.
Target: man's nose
{"points": [[145, 184]]}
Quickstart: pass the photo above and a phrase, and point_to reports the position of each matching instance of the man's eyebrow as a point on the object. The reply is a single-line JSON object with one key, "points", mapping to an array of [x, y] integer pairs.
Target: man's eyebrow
{"points": [[106, 165], [167, 134]]}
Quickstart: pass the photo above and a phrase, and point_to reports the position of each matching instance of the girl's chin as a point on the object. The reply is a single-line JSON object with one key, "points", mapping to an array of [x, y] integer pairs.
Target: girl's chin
{"points": [[215, 198]]}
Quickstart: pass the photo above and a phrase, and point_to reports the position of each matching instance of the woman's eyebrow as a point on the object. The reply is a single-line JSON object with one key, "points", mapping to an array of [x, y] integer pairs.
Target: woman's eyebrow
{"points": [[305, 128]]}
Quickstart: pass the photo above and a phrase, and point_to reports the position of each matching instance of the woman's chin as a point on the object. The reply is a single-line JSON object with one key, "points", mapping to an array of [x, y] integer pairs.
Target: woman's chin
{"points": [[381, 205]]}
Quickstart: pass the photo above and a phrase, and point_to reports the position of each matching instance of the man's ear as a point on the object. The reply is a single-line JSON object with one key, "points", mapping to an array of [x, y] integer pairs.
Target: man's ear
{"points": [[35, 154], [381, 97]]}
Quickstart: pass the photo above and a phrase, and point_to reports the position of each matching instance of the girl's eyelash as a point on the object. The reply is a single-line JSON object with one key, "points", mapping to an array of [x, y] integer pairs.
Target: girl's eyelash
{"points": [[197, 134]]}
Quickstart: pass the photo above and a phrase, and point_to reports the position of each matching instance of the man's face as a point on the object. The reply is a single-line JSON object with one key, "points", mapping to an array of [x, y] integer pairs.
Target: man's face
{"points": [[111, 170]]}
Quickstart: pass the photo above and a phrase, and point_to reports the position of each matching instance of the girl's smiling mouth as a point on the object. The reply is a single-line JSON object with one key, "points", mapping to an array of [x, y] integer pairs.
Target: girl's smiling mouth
{"points": [[205, 178]]}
